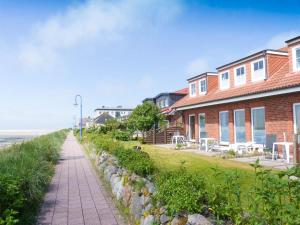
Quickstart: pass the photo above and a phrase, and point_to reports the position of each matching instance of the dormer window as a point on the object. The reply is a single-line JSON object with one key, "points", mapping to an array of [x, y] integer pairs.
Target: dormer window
{"points": [[258, 70], [296, 59], [192, 89], [240, 75], [224, 83], [202, 86]]}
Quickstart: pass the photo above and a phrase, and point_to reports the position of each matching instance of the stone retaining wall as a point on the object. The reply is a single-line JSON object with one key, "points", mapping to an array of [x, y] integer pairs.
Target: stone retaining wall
{"points": [[136, 193]]}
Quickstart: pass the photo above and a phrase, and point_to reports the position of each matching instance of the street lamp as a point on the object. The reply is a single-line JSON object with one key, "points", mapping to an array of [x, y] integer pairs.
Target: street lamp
{"points": [[75, 104]]}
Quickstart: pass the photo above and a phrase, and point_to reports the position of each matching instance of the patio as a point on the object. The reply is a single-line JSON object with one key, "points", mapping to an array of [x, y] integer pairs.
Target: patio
{"points": [[278, 164]]}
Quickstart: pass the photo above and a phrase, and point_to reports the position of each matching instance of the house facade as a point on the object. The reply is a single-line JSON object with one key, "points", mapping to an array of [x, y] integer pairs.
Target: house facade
{"points": [[165, 101], [253, 99], [115, 112]]}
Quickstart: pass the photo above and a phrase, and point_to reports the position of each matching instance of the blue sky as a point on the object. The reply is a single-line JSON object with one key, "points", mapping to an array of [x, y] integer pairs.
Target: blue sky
{"points": [[118, 52]]}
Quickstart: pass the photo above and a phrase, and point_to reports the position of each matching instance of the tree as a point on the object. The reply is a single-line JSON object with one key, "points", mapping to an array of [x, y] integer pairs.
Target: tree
{"points": [[144, 117]]}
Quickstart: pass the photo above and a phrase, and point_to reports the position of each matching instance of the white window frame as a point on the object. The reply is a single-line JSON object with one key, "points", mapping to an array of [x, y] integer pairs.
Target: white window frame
{"points": [[190, 127], [253, 78], [261, 107], [236, 83], [294, 117], [201, 114], [190, 89], [199, 84], [294, 49], [220, 130], [234, 128], [222, 86]]}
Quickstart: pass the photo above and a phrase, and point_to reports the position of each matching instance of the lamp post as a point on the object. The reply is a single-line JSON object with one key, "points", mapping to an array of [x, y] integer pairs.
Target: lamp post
{"points": [[75, 104]]}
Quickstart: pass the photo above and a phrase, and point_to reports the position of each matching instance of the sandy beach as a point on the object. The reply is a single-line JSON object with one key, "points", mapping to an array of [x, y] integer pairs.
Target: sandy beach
{"points": [[8, 137]]}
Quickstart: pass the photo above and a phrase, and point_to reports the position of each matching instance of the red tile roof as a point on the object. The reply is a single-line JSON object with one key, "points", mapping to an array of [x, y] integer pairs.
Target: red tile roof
{"points": [[182, 91], [280, 80]]}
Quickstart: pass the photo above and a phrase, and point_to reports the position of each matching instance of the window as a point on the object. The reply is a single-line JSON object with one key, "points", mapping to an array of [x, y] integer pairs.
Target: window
{"points": [[166, 103], [224, 126], [202, 131], [193, 89], [224, 80], [239, 126], [258, 70], [296, 59], [297, 118], [192, 127], [258, 125], [202, 86], [240, 75]]}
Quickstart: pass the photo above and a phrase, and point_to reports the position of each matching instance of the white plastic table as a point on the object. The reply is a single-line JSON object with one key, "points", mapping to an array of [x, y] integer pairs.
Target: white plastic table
{"points": [[287, 149], [178, 139], [206, 142]]}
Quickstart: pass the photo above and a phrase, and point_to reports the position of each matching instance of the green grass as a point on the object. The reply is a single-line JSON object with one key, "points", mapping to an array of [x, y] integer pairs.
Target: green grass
{"points": [[171, 160], [25, 172]]}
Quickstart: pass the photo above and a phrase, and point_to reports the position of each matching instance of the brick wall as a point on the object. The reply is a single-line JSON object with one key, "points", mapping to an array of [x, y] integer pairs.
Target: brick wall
{"points": [[274, 63], [278, 116]]}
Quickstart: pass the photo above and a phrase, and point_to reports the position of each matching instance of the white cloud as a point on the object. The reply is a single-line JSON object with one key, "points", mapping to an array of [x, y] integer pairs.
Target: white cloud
{"points": [[197, 66], [94, 20], [278, 40]]}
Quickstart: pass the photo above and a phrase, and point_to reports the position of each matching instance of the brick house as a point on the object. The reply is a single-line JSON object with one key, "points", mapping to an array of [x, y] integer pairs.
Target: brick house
{"points": [[165, 101], [252, 99]]}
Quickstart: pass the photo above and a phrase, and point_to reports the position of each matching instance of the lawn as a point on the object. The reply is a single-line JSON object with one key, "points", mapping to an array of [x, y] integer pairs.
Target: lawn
{"points": [[170, 160]]}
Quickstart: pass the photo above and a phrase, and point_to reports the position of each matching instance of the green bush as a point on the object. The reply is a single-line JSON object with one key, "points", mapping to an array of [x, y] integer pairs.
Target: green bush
{"points": [[135, 161], [224, 196], [122, 135], [181, 192], [25, 172], [275, 197]]}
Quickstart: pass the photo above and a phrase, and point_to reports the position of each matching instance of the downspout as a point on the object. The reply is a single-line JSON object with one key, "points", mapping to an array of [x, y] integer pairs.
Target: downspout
{"points": [[266, 66]]}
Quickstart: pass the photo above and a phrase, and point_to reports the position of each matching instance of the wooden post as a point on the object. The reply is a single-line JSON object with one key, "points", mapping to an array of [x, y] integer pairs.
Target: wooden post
{"points": [[296, 149], [154, 135], [165, 136]]}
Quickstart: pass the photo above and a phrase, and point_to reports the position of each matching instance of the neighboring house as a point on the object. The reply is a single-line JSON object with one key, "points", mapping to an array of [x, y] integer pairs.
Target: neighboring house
{"points": [[86, 122], [252, 99], [115, 112], [164, 101], [102, 118]]}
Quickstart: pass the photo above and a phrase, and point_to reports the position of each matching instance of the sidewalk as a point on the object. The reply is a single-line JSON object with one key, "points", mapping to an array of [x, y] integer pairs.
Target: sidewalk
{"points": [[76, 196]]}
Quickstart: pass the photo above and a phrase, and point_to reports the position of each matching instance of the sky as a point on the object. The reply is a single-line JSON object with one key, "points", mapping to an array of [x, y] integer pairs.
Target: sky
{"points": [[118, 52]]}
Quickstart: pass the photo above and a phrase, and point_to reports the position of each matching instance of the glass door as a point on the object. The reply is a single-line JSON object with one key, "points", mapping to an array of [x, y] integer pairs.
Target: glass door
{"points": [[202, 131], [224, 126], [258, 125], [297, 118], [239, 126], [192, 135]]}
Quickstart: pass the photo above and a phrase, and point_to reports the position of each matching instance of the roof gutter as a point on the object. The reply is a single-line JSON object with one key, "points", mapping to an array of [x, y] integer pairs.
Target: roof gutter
{"points": [[241, 98]]}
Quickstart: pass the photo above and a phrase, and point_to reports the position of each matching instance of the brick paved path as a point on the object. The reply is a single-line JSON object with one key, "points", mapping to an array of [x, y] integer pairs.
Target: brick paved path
{"points": [[76, 196]]}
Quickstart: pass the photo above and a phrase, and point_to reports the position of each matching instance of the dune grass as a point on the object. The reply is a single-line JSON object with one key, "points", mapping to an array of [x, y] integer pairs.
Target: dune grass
{"points": [[25, 172]]}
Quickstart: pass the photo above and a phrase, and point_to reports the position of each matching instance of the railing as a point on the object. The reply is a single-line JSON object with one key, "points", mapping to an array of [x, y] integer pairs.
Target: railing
{"points": [[162, 136]]}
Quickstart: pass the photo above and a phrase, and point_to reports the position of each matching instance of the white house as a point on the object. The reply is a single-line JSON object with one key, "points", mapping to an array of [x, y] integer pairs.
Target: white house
{"points": [[116, 112]]}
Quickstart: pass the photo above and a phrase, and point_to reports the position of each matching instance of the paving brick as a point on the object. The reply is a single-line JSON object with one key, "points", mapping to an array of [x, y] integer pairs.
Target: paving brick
{"points": [[76, 196]]}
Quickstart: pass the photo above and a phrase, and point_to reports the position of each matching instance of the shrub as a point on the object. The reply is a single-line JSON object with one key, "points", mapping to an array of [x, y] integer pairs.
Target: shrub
{"points": [[136, 161], [25, 171], [122, 135], [224, 196], [275, 198], [181, 192]]}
